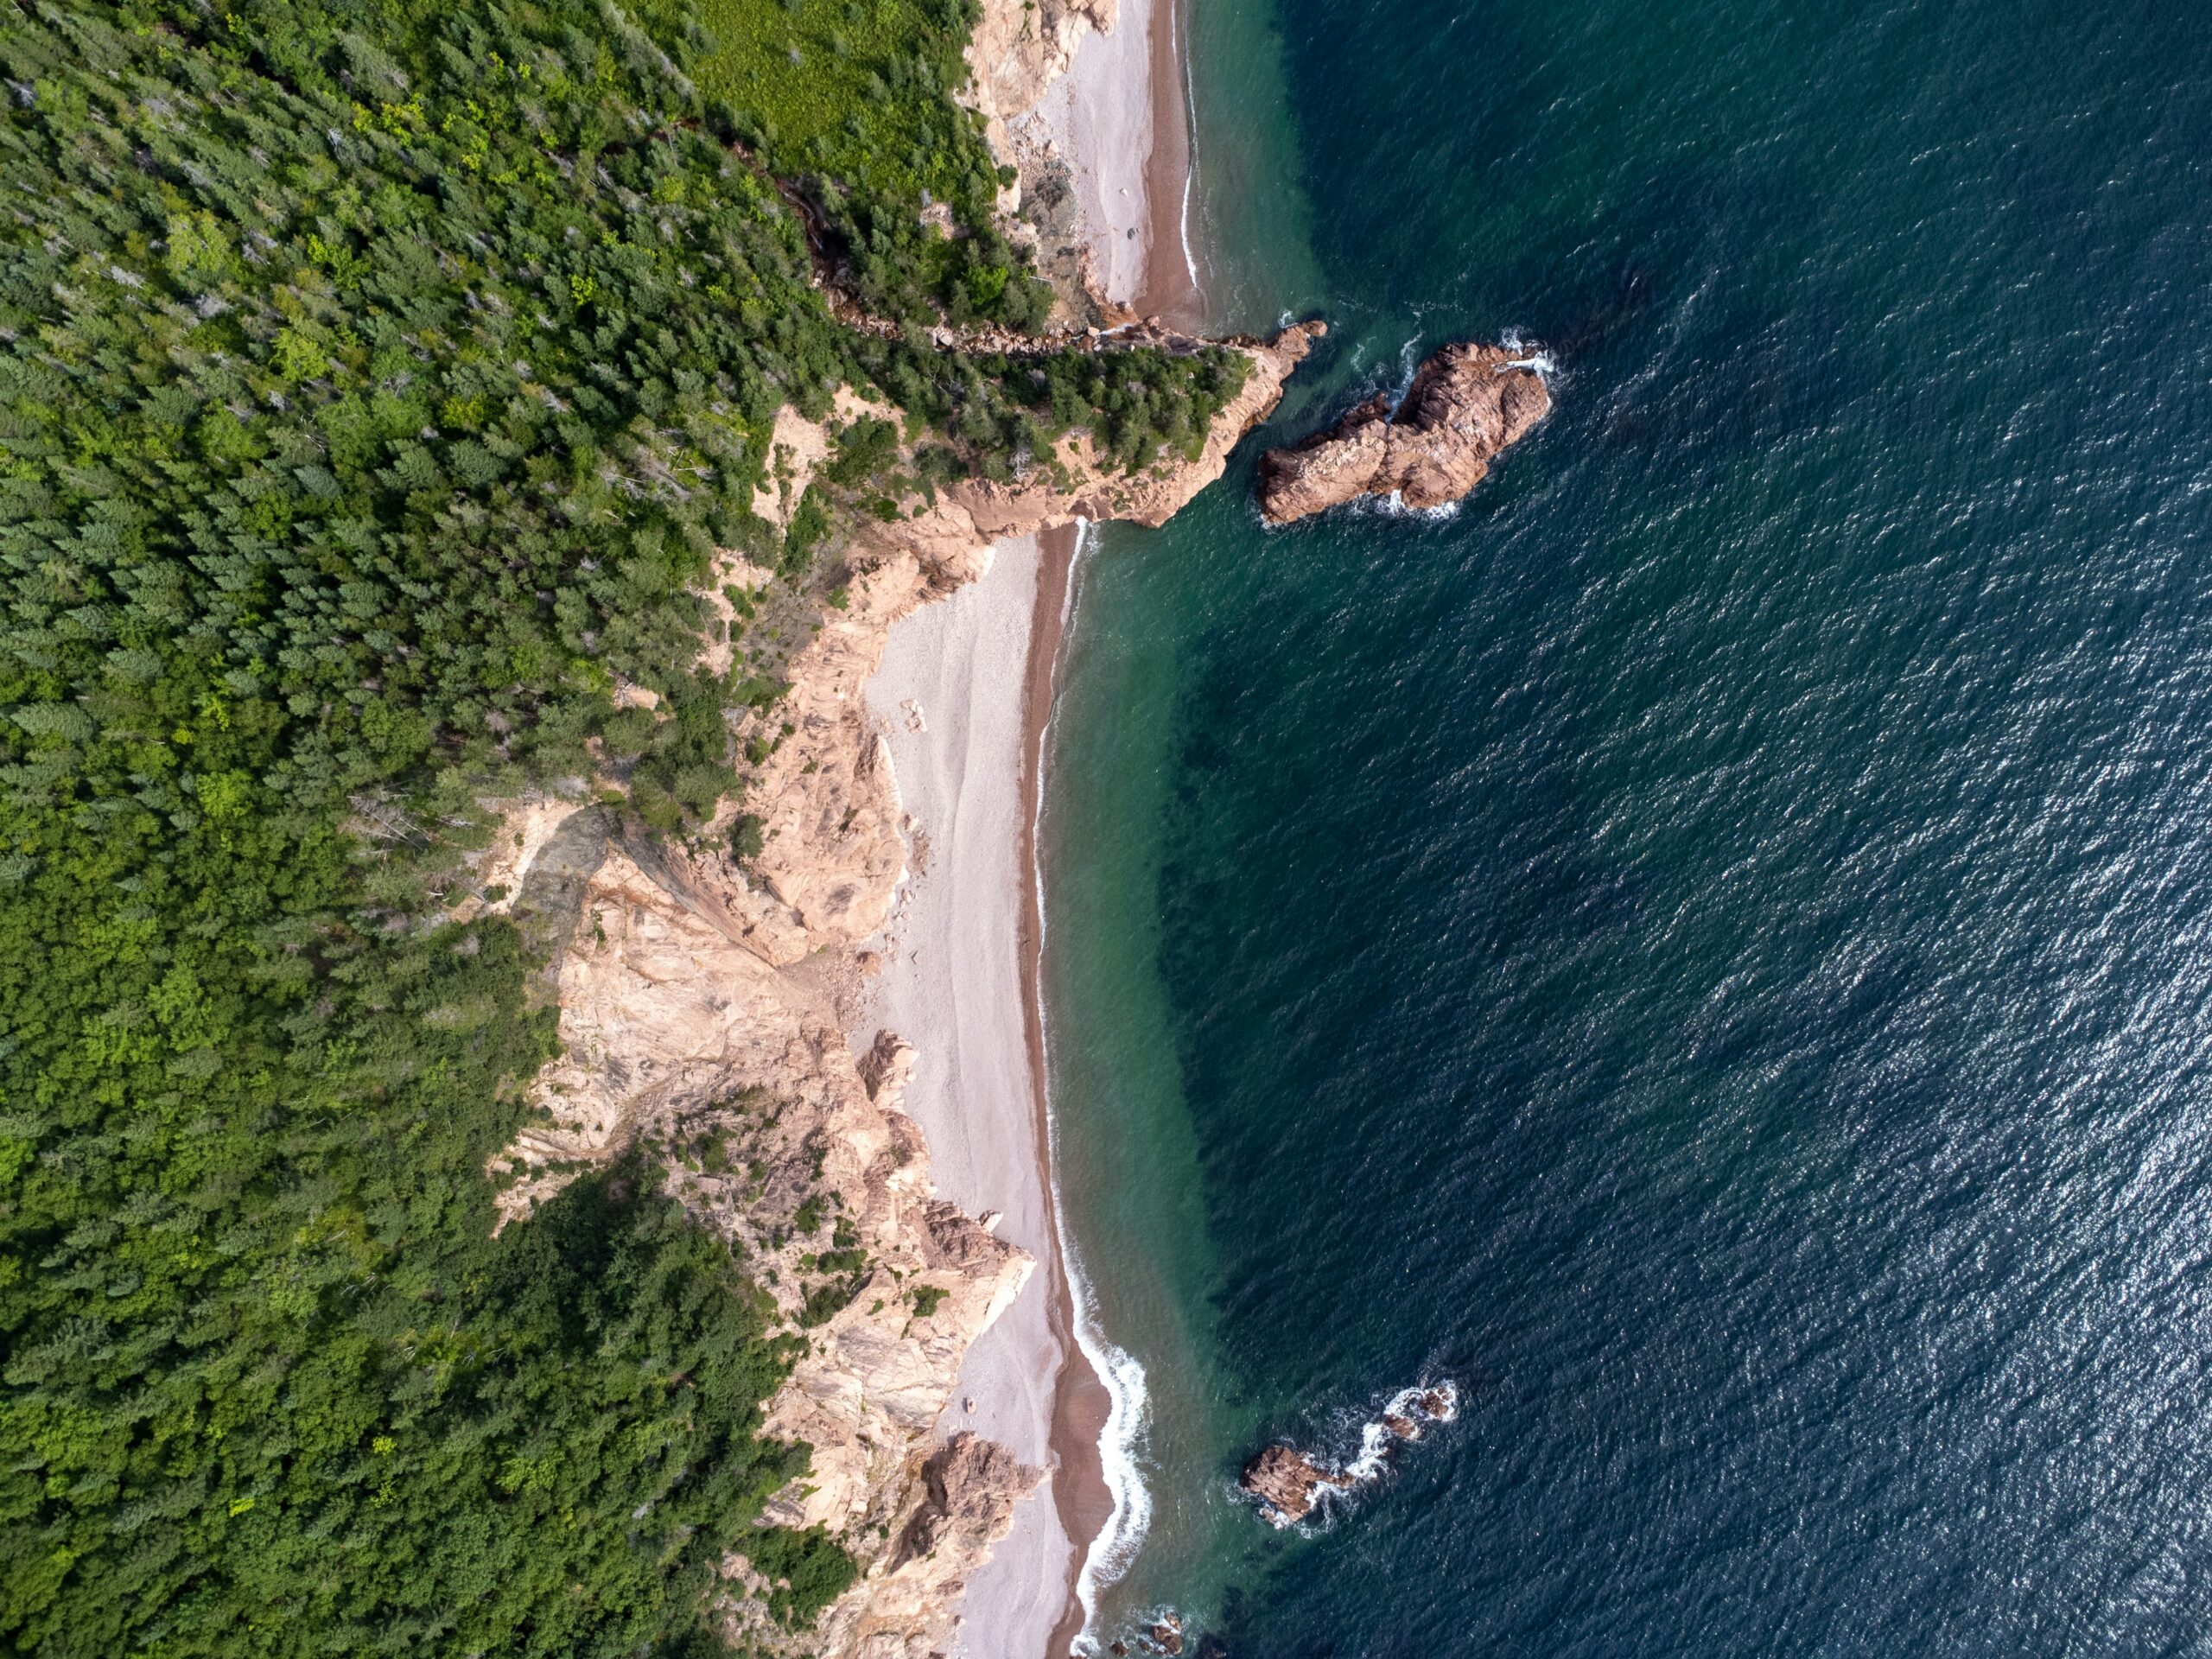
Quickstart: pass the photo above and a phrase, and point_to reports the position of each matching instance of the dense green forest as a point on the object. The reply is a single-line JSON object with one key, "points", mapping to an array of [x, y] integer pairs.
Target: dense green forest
{"points": [[850, 98], [375, 384]]}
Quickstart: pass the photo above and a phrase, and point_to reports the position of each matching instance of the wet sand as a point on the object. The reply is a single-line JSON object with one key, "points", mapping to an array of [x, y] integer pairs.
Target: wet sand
{"points": [[1168, 290]]}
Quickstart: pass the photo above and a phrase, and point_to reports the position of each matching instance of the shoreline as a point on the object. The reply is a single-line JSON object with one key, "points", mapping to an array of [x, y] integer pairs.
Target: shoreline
{"points": [[1119, 119], [1082, 1401], [948, 699], [1171, 289], [1081, 1404], [964, 697]]}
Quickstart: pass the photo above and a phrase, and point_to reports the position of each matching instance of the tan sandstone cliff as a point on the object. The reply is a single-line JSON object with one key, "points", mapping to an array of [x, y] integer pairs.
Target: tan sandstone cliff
{"points": [[1021, 47], [1018, 49], [704, 1003], [1467, 402]]}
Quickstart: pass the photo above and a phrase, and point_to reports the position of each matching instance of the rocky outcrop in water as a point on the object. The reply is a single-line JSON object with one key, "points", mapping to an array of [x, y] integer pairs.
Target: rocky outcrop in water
{"points": [[1291, 1484], [1288, 1482], [1467, 402]]}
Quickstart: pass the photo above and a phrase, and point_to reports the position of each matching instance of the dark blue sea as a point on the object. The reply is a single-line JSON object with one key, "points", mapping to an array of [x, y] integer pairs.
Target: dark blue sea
{"points": [[1708, 947]]}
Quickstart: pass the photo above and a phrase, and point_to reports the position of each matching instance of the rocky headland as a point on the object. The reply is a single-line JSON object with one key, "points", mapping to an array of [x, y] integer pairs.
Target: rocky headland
{"points": [[1467, 402], [1289, 1482]]}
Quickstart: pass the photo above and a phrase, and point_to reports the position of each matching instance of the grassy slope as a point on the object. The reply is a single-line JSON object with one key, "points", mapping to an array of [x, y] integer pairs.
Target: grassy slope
{"points": [[854, 99]]}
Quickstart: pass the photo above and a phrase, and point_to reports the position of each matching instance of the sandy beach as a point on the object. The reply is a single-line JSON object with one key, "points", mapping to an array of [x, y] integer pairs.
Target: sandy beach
{"points": [[954, 695], [1119, 119], [963, 695], [948, 695]]}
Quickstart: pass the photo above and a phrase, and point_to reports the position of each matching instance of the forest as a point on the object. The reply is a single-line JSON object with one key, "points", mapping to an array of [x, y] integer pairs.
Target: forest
{"points": [[376, 382]]}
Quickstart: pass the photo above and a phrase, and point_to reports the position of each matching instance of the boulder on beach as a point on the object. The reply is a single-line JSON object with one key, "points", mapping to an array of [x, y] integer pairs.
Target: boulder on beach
{"points": [[1467, 402]]}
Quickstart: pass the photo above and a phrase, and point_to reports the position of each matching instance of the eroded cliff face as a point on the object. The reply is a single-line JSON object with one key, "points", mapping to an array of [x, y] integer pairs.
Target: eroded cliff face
{"points": [[1467, 402], [1021, 47], [703, 1001], [735, 1074]]}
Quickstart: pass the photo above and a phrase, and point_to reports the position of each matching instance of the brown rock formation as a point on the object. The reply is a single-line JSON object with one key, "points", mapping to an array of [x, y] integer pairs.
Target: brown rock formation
{"points": [[969, 1488], [1467, 402], [1288, 1482]]}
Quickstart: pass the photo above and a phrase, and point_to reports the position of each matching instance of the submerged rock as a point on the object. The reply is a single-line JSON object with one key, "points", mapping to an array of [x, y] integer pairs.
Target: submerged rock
{"points": [[1167, 1635], [1467, 402]]}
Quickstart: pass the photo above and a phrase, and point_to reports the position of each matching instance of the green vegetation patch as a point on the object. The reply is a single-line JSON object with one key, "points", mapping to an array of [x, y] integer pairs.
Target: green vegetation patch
{"points": [[807, 1570], [372, 381], [856, 90], [855, 97]]}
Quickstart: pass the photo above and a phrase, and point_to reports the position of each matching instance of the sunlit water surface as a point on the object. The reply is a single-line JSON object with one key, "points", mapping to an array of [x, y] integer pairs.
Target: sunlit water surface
{"points": [[1708, 947]]}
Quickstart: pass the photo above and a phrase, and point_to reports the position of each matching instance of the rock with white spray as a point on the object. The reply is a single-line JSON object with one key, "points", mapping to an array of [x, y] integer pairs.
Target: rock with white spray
{"points": [[1467, 402], [1288, 1484], [1291, 1484]]}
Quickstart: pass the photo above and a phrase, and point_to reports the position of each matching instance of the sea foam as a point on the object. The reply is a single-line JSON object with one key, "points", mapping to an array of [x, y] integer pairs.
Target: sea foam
{"points": [[1435, 1402], [1128, 1416], [1191, 148], [1129, 1408], [1526, 357]]}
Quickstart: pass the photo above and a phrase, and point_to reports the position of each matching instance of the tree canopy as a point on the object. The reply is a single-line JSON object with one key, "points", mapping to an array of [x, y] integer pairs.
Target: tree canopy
{"points": [[376, 382]]}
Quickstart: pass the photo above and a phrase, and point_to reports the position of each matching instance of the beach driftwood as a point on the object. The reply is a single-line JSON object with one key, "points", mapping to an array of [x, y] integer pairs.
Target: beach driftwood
{"points": [[1467, 402]]}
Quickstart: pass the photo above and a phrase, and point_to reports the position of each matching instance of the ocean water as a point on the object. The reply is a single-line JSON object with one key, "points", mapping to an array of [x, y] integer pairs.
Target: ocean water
{"points": [[1708, 947]]}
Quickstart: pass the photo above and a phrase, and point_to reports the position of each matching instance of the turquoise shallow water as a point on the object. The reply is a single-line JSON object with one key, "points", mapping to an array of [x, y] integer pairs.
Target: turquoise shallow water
{"points": [[1709, 946]]}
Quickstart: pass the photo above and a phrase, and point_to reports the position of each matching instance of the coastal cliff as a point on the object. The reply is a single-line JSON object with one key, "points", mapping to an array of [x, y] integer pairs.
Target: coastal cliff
{"points": [[1071, 197], [372, 753], [1020, 47], [703, 996], [1467, 402]]}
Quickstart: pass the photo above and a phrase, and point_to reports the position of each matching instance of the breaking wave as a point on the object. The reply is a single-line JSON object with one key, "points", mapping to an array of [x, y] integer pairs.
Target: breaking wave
{"points": [[1436, 1402], [1528, 355], [1129, 1410], [1127, 1418]]}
